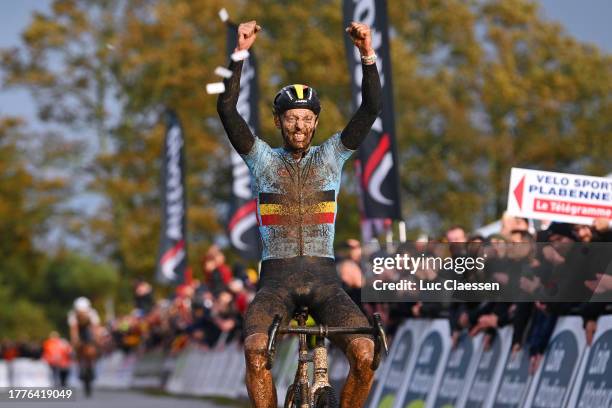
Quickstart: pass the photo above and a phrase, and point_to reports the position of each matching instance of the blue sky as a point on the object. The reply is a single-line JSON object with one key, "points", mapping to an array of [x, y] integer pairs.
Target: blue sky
{"points": [[587, 20]]}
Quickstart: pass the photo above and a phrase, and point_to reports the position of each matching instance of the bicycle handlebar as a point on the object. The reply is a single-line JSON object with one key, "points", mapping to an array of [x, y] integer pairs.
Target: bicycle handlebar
{"points": [[324, 331], [376, 330]]}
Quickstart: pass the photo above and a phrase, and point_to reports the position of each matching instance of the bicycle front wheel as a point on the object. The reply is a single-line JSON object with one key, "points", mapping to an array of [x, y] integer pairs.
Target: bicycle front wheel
{"points": [[325, 397], [292, 399]]}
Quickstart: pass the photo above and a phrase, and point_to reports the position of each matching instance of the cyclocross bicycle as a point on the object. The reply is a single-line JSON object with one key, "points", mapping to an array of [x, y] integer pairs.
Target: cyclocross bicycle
{"points": [[318, 394]]}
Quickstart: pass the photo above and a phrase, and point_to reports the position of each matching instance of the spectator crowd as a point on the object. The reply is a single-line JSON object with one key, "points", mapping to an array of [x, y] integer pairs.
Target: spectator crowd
{"points": [[571, 261]]}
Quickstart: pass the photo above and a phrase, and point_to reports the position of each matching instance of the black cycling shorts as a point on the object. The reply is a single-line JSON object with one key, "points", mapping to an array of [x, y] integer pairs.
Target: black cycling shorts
{"points": [[286, 284]]}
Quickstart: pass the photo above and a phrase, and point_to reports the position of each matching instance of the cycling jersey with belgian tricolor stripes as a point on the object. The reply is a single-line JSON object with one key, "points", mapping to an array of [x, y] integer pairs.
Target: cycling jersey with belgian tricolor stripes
{"points": [[296, 199]]}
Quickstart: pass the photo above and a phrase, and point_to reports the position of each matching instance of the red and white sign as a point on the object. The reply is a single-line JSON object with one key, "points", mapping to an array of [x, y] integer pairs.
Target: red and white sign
{"points": [[562, 197]]}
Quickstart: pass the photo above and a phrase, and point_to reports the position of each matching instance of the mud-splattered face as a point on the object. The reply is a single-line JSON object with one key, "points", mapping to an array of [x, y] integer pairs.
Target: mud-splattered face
{"points": [[297, 127]]}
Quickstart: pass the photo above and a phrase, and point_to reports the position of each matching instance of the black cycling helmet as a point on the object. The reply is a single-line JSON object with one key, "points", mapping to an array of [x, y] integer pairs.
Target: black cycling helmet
{"points": [[296, 96]]}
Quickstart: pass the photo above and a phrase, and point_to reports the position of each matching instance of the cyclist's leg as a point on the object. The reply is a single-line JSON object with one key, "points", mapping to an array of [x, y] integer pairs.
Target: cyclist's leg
{"points": [[336, 309], [88, 358], [260, 314]]}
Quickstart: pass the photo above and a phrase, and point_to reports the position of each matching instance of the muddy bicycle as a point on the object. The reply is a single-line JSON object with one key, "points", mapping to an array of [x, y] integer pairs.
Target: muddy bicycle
{"points": [[318, 394]]}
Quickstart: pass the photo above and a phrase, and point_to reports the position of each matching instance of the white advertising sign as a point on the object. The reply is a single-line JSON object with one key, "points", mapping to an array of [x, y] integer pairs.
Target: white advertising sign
{"points": [[402, 357], [4, 378], [593, 387], [422, 382], [562, 197], [552, 384], [31, 373]]}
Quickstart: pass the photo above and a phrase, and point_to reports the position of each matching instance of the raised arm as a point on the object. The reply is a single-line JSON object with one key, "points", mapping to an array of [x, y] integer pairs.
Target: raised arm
{"points": [[237, 130], [371, 93]]}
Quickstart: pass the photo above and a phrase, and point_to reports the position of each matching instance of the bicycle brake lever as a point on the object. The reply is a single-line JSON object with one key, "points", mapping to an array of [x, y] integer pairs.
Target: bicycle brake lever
{"points": [[271, 348], [381, 332]]}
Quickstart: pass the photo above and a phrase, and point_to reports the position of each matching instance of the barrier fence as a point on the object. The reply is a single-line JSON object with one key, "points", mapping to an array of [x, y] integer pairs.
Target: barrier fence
{"points": [[422, 370]]}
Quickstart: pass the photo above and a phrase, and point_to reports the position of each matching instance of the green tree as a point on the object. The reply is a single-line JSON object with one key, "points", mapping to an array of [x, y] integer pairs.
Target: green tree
{"points": [[17, 310], [30, 198], [479, 87], [484, 86]]}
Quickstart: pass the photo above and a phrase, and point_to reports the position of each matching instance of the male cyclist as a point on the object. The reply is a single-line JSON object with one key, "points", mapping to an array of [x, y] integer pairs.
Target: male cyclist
{"points": [[84, 325], [296, 187]]}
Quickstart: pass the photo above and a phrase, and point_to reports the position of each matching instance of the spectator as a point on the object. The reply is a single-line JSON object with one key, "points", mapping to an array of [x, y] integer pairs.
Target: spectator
{"points": [[510, 223], [143, 296], [57, 352], [351, 276], [456, 233], [217, 275]]}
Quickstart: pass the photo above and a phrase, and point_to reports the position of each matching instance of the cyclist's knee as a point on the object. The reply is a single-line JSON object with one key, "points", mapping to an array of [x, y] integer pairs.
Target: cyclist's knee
{"points": [[255, 351], [360, 353]]}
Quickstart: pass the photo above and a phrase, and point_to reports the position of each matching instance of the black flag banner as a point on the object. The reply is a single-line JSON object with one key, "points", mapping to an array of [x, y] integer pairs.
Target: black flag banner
{"points": [[242, 226], [378, 154], [172, 258]]}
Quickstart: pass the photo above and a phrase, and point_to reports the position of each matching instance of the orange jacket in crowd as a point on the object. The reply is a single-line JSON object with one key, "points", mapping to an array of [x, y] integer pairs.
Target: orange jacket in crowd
{"points": [[57, 352]]}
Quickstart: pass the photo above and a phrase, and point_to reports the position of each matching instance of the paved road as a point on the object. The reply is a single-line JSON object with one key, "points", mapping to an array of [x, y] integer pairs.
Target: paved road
{"points": [[121, 399]]}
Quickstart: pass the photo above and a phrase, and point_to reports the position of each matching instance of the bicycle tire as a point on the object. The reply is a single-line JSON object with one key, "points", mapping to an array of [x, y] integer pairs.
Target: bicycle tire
{"points": [[325, 397], [86, 375], [292, 399]]}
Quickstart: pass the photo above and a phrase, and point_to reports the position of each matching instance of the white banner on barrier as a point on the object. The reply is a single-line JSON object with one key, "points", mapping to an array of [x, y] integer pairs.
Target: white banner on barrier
{"points": [[489, 368], [236, 370], [382, 368], [113, 371], [226, 372], [31, 373], [240, 386], [593, 387], [421, 382], [148, 370], [4, 374], [200, 369], [555, 376], [286, 372], [105, 368], [175, 384], [338, 368], [459, 371], [222, 369], [400, 360], [514, 382], [210, 371]]}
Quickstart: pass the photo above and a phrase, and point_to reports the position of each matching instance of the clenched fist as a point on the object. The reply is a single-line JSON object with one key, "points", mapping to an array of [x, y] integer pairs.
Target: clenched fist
{"points": [[247, 33], [362, 38]]}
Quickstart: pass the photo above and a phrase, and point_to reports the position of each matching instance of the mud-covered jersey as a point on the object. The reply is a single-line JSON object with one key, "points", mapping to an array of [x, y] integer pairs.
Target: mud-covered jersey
{"points": [[296, 199]]}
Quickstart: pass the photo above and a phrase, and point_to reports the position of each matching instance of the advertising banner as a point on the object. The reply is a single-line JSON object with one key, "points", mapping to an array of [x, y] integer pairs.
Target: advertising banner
{"points": [[382, 368], [593, 386], [4, 378], [30, 373], [115, 370], [172, 257], [287, 362], [149, 370], [377, 155], [488, 371], [242, 226], [562, 197], [458, 372], [422, 381], [555, 376], [201, 382], [401, 359], [514, 382], [175, 384], [338, 368]]}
